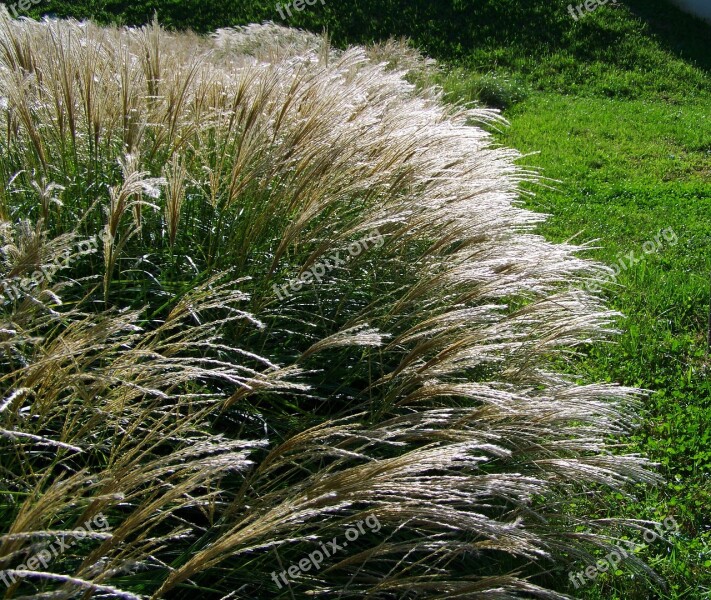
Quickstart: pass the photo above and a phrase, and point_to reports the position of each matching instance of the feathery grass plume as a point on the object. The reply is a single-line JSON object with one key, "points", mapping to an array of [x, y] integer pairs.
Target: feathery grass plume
{"points": [[108, 415], [412, 374], [175, 195], [270, 42]]}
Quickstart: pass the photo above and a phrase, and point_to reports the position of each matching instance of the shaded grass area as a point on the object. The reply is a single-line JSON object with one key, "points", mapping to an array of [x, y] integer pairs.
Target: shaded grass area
{"points": [[528, 36]]}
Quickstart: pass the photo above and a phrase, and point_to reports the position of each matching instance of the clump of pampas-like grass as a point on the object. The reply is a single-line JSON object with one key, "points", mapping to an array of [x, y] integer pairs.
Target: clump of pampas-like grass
{"points": [[313, 299]]}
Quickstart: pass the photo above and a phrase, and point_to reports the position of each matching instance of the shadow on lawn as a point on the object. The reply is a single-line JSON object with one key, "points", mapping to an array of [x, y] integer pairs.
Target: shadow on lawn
{"points": [[687, 37], [445, 29]]}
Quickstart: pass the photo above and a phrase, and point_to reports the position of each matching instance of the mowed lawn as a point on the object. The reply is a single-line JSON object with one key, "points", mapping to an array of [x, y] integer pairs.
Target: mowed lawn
{"points": [[626, 171]]}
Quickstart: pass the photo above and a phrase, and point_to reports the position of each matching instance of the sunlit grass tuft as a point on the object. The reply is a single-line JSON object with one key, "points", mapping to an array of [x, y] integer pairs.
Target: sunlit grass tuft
{"points": [[226, 431]]}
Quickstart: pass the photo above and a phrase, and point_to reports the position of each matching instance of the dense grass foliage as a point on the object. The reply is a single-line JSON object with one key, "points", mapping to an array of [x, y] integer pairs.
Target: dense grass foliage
{"points": [[618, 106], [159, 194]]}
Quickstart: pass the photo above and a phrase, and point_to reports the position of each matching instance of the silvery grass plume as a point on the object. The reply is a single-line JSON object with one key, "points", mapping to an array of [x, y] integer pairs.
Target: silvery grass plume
{"points": [[225, 431]]}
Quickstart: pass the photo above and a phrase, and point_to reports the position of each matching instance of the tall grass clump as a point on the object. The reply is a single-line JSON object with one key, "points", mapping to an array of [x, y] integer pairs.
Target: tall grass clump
{"points": [[227, 422]]}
